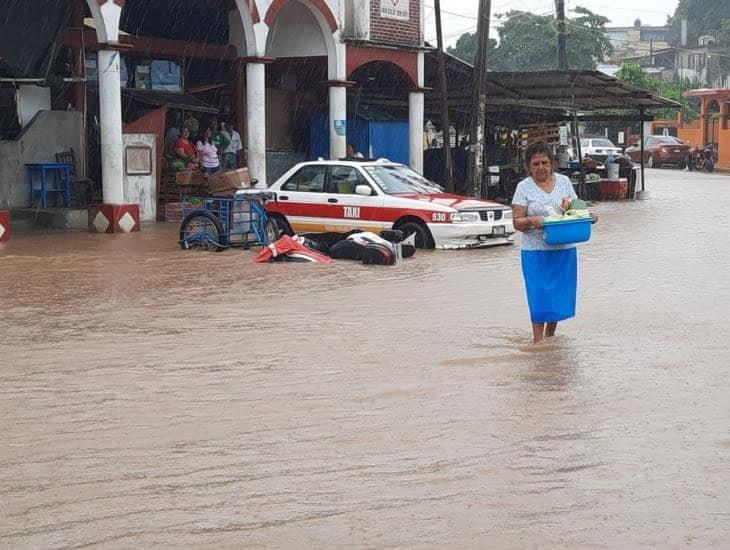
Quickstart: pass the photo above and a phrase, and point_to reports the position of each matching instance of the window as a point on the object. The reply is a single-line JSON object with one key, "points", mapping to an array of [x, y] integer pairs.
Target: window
{"points": [[668, 140], [396, 178], [166, 75], [344, 179], [309, 179], [92, 69], [602, 143]]}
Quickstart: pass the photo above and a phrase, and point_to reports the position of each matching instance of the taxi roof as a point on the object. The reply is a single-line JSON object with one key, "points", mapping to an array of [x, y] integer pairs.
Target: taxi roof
{"points": [[354, 162]]}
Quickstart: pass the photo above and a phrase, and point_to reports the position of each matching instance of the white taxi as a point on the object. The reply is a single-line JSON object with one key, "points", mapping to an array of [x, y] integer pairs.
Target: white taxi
{"points": [[341, 196]]}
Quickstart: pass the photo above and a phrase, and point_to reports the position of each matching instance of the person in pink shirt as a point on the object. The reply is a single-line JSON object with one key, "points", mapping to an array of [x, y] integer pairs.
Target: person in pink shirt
{"points": [[208, 153]]}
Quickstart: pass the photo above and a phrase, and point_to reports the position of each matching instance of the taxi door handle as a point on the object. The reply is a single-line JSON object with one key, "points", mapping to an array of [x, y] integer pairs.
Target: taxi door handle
{"points": [[283, 198], [332, 200]]}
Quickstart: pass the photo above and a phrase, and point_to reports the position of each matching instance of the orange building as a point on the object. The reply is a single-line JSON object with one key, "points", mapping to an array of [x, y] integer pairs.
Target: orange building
{"points": [[712, 126]]}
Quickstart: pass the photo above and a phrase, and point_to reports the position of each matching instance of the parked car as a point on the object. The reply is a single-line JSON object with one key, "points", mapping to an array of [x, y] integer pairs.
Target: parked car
{"points": [[659, 150], [341, 196], [599, 148]]}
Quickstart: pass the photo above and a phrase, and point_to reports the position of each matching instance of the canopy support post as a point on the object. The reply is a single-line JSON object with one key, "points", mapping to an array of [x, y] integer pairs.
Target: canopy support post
{"points": [[641, 138], [576, 133]]}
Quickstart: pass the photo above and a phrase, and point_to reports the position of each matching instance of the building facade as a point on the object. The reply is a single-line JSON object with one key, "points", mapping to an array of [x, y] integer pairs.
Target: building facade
{"points": [[637, 41], [278, 56]]}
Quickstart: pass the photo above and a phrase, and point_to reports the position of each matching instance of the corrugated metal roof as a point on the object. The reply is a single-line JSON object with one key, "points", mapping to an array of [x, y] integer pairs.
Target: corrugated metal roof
{"points": [[567, 90], [570, 90]]}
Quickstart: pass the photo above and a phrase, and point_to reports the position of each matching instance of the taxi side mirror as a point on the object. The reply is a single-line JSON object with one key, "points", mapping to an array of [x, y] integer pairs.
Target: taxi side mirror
{"points": [[364, 190]]}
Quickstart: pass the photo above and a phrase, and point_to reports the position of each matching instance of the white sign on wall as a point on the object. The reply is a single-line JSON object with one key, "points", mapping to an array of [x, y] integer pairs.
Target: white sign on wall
{"points": [[30, 100], [395, 9]]}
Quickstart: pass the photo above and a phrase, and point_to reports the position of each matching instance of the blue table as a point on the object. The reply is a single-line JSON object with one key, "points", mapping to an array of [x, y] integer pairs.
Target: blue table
{"points": [[49, 177]]}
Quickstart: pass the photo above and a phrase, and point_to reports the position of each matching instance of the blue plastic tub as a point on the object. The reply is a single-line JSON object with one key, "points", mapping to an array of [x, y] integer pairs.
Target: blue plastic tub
{"points": [[567, 231]]}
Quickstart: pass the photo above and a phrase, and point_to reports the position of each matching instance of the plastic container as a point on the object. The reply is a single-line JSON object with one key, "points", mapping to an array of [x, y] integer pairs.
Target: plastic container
{"points": [[567, 231], [241, 220], [612, 170]]}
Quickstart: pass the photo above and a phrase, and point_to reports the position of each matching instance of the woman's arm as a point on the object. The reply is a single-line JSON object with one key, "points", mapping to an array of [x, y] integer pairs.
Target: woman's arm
{"points": [[522, 221], [180, 152]]}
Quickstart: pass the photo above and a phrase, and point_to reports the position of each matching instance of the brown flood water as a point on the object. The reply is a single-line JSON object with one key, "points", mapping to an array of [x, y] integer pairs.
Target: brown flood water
{"points": [[159, 398]]}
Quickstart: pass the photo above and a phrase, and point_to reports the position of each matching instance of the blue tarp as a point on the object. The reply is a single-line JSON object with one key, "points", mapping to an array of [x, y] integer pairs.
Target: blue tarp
{"points": [[373, 138]]}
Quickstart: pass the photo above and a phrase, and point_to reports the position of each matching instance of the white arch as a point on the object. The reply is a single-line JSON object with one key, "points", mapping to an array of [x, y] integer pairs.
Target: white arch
{"points": [[335, 61], [101, 34], [246, 44], [107, 18]]}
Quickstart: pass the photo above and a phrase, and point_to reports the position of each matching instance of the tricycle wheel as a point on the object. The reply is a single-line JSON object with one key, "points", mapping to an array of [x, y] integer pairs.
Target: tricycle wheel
{"points": [[271, 231], [201, 231]]}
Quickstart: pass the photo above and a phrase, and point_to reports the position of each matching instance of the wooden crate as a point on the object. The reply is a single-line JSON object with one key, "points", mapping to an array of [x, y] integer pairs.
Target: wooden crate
{"points": [[173, 212]]}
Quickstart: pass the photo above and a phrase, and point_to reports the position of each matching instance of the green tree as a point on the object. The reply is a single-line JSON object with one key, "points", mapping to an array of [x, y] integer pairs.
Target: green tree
{"points": [[703, 17], [636, 75], [466, 47], [528, 42]]}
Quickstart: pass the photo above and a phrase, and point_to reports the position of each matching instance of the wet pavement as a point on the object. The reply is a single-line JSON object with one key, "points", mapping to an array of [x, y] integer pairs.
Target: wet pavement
{"points": [[154, 397]]}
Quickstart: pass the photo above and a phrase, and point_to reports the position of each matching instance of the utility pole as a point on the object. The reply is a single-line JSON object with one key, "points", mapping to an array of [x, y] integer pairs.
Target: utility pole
{"points": [[479, 100], [445, 124], [562, 54]]}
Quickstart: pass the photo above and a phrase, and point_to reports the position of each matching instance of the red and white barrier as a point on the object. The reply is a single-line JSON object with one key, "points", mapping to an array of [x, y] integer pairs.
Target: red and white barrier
{"points": [[4, 226], [114, 218]]}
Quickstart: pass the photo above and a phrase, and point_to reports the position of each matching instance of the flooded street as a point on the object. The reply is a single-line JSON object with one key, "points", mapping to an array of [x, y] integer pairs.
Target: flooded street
{"points": [[154, 397]]}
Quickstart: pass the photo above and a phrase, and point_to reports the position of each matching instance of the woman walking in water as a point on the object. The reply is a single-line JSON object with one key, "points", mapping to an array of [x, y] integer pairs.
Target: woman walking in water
{"points": [[550, 272]]}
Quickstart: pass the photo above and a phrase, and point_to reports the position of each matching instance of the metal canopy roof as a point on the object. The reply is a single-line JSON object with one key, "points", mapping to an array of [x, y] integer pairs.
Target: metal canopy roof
{"points": [[571, 91], [543, 90]]}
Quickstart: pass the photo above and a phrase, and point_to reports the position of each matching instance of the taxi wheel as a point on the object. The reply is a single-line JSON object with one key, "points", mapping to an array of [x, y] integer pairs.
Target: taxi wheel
{"points": [[282, 226], [423, 237]]}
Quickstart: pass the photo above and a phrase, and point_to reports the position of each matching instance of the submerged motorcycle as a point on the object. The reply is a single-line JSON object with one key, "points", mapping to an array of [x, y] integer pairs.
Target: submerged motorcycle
{"points": [[701, 159]]}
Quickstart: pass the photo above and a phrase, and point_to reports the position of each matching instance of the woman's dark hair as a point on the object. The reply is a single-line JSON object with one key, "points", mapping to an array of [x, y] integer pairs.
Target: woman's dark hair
{"points": [[538, 148]]}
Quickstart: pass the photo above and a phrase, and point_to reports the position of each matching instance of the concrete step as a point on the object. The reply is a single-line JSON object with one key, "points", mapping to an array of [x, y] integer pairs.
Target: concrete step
{"points": [[49, 218]]}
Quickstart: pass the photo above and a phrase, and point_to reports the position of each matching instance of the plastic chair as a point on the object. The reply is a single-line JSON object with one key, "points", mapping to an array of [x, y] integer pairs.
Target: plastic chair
{"points": [[83, 190]]}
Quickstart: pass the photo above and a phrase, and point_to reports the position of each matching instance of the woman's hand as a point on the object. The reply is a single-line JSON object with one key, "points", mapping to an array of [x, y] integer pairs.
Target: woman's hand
{"points": [[594, 217]]}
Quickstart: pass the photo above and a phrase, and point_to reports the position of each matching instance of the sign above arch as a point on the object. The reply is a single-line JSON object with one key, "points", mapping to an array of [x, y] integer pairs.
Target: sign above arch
{"points": [[395, 9]]}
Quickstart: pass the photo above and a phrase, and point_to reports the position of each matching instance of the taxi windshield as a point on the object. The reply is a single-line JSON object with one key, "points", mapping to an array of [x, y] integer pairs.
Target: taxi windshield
{"points": [[395, 179]]}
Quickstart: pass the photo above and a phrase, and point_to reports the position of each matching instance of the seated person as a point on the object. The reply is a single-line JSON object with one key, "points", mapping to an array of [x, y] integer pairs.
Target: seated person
{"points": [[187, 157], [352, 152]]}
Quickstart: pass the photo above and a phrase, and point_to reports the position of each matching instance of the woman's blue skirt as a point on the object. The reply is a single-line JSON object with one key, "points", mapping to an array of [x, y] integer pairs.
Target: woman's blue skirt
{"points": [[551, 280]]}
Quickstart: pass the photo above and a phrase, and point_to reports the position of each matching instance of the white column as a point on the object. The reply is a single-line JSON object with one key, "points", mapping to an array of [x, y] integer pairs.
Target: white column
{"points": [[415, 130], [110, 113], [256, 121], [338, 118]]}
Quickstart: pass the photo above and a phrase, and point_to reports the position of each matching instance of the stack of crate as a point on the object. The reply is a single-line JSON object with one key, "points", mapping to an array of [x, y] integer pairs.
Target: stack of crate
{"points": [[173, 212], [549, 133], [176, 185]]}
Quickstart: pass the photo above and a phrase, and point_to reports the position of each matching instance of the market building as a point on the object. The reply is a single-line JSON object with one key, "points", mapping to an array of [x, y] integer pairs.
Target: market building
{"points": [[106, 79], [711, 128]]}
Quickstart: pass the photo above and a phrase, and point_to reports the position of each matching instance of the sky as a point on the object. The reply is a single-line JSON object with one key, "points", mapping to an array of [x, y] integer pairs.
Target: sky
{"points": [[459, 16]]}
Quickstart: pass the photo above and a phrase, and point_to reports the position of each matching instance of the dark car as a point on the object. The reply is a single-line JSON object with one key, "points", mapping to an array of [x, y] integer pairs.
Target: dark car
{"points": [[660, 150]]}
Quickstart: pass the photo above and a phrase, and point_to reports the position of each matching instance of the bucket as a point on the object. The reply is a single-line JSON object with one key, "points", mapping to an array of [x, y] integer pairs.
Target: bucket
{"points": [[612, 170], [563, 160], [567, 231], [241, 220]]}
